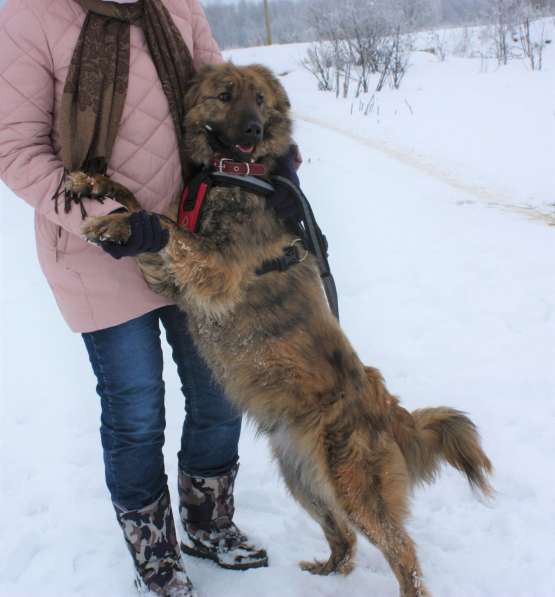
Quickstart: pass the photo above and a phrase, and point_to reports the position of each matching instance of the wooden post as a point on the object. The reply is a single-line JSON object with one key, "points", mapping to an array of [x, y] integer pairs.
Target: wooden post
{"points": [[267, 19]]}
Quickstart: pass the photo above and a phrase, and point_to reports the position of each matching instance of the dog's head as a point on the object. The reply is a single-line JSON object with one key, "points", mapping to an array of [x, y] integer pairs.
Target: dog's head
{"points": [[240, 112]]}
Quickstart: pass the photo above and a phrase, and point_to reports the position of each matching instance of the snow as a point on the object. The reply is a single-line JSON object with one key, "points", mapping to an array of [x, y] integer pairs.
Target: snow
{"points": [[451, 295]]}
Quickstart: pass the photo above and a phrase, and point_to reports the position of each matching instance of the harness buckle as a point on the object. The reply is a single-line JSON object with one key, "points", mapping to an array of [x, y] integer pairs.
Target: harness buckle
{"points": [[291, 256], [299, 241]]}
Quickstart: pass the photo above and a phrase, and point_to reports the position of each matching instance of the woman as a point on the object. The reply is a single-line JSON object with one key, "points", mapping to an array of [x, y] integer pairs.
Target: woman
{"points": [[90, 84]]}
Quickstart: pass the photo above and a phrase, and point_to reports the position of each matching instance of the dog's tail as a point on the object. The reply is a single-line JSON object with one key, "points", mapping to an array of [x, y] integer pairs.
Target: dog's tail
{"points": [[430, 436], [437, 435]]}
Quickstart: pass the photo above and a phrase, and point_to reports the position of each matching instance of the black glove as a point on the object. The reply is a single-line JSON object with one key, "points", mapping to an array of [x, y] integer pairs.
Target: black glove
{"points": [[284, 203], [147, 236]]}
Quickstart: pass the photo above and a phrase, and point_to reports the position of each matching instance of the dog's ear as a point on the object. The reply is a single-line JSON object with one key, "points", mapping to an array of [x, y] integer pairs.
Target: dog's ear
{"points": [[281, 99], [193, 90], [192, 93]]}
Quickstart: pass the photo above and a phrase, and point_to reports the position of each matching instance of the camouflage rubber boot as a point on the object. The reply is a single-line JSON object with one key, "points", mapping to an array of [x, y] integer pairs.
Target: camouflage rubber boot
{"points": [[206, 507], [152, 541]]}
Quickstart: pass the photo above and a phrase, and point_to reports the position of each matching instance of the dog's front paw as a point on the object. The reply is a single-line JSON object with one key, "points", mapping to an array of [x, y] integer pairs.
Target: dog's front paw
{"points": [[80, 184], [101, 186], [114, 228]]}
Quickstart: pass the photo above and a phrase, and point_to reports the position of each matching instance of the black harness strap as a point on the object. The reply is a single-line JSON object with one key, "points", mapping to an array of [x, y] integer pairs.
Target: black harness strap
{"points": [[249, 183], [290, 257], [314, 241]]}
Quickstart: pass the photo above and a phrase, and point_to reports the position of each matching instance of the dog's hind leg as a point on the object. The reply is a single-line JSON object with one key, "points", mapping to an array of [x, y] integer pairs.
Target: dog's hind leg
{"points": [[399, 551], [313, 494], [374, 494], [341, 540]]}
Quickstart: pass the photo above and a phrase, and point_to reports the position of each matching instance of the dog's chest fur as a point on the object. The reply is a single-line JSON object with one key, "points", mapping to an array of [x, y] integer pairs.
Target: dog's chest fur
{"points": [[233, 218]]}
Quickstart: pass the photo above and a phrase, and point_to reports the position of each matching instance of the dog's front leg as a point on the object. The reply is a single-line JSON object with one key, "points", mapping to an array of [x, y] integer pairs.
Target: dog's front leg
{"points": [[201, 272], [198, 271]]}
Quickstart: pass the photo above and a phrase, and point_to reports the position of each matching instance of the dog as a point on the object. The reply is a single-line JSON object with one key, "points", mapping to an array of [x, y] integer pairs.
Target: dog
{"points": [[347, 450]]}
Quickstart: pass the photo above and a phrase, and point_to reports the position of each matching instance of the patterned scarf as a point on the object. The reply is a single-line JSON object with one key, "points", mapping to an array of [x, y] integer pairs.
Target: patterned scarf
{"points": [[96, 84]]}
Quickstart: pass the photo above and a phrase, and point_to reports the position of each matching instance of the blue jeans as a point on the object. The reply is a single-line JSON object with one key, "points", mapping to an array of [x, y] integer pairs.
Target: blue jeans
{"points": [[127, 362]]}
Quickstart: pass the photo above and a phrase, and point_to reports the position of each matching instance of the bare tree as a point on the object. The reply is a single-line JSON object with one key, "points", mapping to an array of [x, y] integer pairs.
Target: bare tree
{"points": [[243, 23], [267, 22]]}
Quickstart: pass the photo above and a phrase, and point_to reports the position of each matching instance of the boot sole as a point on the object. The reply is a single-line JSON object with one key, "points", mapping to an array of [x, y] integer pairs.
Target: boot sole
{"points": [[191, 551]]}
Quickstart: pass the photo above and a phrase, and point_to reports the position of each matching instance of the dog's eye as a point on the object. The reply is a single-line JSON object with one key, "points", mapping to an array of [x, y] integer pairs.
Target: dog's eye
{"points": [[259, 99], [225, 96]]}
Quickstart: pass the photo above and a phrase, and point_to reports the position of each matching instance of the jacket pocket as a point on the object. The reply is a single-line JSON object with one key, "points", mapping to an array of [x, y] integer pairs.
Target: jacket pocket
{"points": [[62, 241], [50, 235]]}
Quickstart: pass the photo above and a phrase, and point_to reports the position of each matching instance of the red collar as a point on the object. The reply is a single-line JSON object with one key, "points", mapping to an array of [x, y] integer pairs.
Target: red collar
{"points": [[228, 166]]}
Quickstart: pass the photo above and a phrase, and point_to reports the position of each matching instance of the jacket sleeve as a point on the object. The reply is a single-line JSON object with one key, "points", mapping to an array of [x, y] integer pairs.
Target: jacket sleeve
{"points": [[205, 47], [28, 163]]}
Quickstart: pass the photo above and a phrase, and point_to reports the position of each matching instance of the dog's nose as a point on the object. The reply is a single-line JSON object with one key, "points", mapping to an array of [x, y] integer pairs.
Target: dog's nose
{"points": [[254, 130]]}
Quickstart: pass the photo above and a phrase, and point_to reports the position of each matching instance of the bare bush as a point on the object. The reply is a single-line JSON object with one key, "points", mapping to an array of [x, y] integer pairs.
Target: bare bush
{"points": [[440, 45], [401, 47], [533, 45], [319, 61], [362, 41], [514, 31], [504, 14]]}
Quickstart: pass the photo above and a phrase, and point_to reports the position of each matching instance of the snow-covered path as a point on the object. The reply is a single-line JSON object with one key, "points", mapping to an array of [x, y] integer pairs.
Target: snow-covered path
{"points": [[453, 301], [476, 192]]}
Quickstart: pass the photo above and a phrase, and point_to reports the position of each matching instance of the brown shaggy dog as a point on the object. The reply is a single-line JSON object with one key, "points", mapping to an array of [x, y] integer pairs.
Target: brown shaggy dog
{"points": [[348, 452]]}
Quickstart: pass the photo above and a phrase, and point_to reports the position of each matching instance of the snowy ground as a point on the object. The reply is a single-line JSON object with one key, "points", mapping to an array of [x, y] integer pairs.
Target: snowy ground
{"points": [[452, 298]]}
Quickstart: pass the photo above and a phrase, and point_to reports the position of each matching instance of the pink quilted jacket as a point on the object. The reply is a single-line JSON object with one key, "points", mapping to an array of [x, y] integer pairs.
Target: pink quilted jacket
{"points": [[37, 38]]}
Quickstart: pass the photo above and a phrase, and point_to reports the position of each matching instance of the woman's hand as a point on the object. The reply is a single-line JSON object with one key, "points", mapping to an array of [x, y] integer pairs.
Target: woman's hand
{"points": [[147, 236], [285, 204], [296, 156]]}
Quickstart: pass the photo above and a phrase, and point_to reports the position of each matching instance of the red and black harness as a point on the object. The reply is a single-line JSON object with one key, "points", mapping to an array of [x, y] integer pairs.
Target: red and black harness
{"points": [[223, 172], [249, 176], [227, 173]]}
